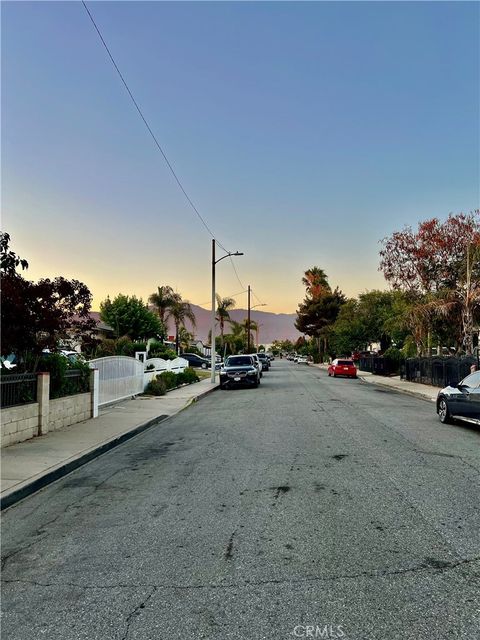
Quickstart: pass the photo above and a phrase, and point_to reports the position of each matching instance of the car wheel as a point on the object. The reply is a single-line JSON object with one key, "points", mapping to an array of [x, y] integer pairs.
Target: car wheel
{"points": [[204, 366], [444, 412]]}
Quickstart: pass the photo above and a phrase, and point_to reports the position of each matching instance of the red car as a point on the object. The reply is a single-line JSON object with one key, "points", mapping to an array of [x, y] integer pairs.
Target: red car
{"points": [[340, 367]]}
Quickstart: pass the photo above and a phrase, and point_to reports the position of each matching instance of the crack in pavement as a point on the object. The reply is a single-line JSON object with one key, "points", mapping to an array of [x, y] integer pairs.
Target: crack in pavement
{"points": [[136, 611], [430, 565]]}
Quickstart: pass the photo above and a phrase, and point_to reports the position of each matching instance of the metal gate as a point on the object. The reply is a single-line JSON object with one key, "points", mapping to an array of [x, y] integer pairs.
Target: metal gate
{"points": [[120, 377]]}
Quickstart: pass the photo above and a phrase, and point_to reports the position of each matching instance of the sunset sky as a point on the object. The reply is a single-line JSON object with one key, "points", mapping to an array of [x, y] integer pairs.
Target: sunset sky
{"points": [[303, 133]]}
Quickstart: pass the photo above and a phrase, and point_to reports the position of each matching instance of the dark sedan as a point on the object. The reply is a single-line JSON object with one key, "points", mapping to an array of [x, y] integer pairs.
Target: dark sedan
{"points": [[461, 402], [237, 371], [195, 360]]}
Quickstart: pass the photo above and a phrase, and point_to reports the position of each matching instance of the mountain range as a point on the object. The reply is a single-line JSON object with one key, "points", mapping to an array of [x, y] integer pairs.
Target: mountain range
{"points": [[272, 326]]}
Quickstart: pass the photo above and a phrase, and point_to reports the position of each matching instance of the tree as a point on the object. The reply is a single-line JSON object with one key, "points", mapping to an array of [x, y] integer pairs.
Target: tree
{"points": [[376, 316], [320, 307], [185, 339], [440, 264], [316, 282], [130, 316], [40, 315], [162, 300], [9, 260], [223, 307], [180, 311]]}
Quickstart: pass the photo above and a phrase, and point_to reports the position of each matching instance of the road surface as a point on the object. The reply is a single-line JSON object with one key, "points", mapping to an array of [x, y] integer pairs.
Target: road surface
{"points": [[309, 507]]}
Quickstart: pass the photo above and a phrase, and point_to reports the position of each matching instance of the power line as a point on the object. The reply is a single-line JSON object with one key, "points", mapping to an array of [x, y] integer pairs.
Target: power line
{"points": [[158, 145], [232, 295], [150, 129]]}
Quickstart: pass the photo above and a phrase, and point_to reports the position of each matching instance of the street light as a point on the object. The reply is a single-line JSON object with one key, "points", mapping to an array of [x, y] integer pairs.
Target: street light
{"points": [[214, 262], [261, 304]]}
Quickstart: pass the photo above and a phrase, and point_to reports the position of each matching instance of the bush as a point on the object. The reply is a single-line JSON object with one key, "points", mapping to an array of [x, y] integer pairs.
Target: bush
{"points": [[61, 385], [156, 387], [129, 348], [166, 354], [150, 367], [169, 378], [187, 377]]}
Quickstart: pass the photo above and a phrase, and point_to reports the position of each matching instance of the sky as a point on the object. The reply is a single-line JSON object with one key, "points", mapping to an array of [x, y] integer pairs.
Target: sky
{"points": [[303, 132]]}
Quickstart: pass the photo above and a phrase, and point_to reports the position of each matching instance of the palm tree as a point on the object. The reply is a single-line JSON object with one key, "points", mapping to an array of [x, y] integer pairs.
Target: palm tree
{"points": [[223, 306], [162, 300], [316, 282], [185, 338], [235, 339], [179, 311], [245, 327]]}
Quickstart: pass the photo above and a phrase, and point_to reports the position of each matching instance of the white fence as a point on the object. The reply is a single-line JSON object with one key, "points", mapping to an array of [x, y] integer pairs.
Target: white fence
{"points": [[119, 377], [177, 365]]}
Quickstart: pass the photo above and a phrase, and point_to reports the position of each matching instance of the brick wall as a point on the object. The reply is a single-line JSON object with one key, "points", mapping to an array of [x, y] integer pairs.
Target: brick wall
{"points": [[69, 410], [35, 419], [19, 423]]}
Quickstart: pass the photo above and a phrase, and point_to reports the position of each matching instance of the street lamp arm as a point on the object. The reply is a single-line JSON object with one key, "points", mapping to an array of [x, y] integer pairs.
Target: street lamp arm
{"points": [[227, 255]]}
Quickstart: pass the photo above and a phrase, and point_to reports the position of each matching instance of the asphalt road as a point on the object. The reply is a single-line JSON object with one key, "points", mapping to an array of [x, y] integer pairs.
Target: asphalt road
{"points": [[310, 505]]}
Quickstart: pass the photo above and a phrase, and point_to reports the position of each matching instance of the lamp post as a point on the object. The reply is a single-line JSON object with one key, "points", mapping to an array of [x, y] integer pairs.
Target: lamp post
{"points": [[214, 262], [261, 304]]}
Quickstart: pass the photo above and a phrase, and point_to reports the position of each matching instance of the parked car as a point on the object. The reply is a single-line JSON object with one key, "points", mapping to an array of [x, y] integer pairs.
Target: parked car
{"points": [[239, 370], [264, 360], [342, 367], [257, 363], [195, 360], [270, 356], [302, 360], [460, 402]]}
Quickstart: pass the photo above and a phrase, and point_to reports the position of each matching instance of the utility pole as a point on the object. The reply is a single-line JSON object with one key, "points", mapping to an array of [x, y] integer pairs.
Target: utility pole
{"points": [[213, 360], [213, 356], [248, 322]]}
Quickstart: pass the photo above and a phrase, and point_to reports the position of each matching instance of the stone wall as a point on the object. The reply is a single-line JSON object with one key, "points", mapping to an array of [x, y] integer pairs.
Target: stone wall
{"points": [[19, 423], [35, 419], [69, 410]]}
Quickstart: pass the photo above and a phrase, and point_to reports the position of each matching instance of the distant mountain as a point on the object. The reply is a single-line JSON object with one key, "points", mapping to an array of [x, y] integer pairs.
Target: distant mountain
{"points": [[272, 326]]}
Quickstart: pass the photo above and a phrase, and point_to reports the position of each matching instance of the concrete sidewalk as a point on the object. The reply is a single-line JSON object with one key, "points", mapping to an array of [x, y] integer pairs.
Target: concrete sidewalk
{"points": [[28, 466], [424, 391]]}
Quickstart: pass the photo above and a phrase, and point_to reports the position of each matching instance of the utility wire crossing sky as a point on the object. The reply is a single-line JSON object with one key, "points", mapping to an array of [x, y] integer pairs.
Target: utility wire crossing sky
{"points": [[306, 132]]}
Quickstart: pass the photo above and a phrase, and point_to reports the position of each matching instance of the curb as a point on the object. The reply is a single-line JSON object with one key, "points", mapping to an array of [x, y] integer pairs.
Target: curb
{"points": [[64, 469], [414, 394]]}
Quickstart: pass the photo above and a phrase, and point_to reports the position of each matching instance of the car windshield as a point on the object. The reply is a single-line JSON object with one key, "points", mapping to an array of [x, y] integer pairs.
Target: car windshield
{"points": [[346, 363], [239, 361], [472, 381]]}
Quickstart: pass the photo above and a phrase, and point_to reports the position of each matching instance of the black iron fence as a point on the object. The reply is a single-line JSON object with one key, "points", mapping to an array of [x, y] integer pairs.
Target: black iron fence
{"points": [[379, 365], [18, 388], [438, 371], [70, 383]]}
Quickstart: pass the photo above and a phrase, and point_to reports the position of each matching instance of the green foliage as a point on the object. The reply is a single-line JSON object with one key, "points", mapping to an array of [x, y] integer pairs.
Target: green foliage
{"points": [[169, 378], [187, 377], [156, 387], [39, 315], [106, 347], [165, 354], [61, 384], [130, 316], [130, 348], [376, 316]]}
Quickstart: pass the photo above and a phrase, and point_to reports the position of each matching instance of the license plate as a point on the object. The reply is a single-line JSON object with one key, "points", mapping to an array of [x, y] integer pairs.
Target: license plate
{"points": [[237, 379], [345, 368]]}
